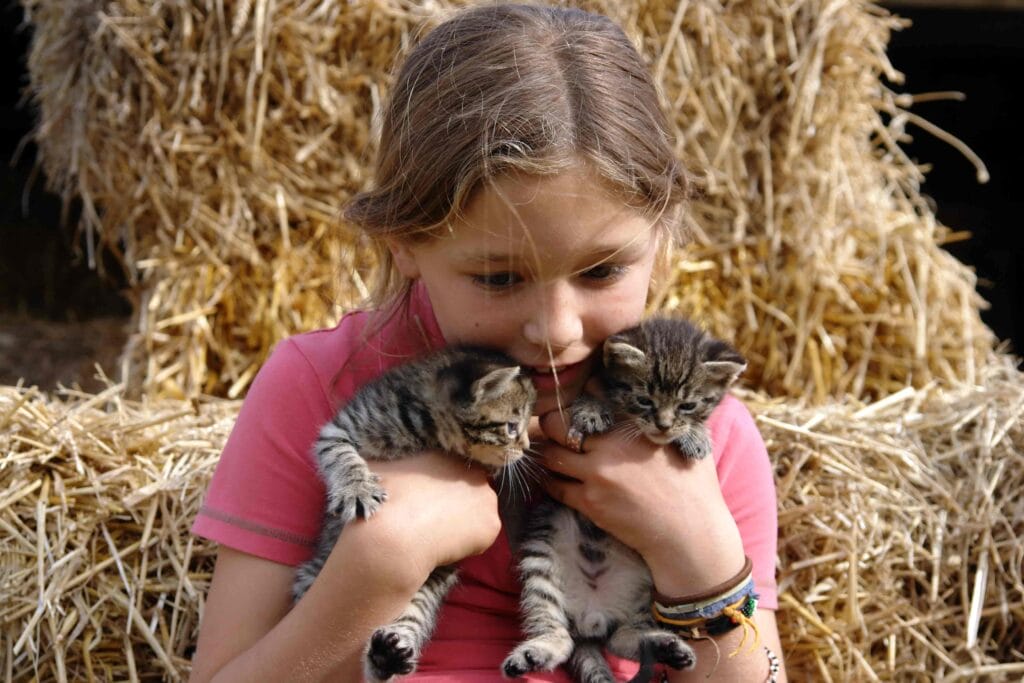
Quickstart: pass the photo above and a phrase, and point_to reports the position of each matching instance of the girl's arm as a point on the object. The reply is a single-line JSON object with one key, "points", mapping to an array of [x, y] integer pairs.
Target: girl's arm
{"points": [[438, 512], [670, 510]]}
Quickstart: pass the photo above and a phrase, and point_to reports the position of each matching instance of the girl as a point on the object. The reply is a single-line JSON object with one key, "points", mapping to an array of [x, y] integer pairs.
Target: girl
{"points": [[525, 190]]}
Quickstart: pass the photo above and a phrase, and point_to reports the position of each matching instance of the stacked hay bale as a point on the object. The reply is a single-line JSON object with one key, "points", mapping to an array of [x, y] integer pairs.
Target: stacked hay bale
{"points": [[213, 146]]}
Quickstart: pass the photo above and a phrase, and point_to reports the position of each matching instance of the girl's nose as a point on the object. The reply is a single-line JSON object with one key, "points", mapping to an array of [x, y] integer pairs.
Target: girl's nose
{"points": [[556, 319]]}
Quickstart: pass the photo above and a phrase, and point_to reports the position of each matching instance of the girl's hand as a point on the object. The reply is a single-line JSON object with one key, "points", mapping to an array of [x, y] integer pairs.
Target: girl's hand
{"points": [[668, 508], [439, 510]]}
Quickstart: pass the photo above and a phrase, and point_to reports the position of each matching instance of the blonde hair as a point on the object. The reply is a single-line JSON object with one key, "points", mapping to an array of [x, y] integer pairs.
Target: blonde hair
{"points": [[503, 88]]}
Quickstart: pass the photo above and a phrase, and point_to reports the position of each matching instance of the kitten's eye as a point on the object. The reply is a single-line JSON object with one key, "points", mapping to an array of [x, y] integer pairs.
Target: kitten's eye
{"points": [[502, 280], [644, 402], [687, 407], [512, 428]]}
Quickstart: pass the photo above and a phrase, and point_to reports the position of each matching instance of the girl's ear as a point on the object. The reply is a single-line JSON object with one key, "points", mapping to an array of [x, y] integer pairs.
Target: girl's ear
{"points": [[404, 258]]}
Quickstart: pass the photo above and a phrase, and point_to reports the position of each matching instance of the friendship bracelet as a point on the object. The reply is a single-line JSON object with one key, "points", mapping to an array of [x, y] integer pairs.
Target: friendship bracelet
{"points": [[692, 603], [737, 615], [709, 608]]}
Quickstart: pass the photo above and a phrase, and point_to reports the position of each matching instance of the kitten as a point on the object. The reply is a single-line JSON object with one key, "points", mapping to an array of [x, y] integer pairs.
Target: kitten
{"points": [[467, 401], [582, 589]]}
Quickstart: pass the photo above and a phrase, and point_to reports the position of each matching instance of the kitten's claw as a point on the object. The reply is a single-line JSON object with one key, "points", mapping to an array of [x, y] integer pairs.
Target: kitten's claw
{"points": [[529, 657], [389, 654], [590, 416], [695, 445], [357, 497]]}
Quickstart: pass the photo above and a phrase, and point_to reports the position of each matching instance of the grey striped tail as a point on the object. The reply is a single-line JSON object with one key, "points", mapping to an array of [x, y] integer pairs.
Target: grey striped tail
{"points": [[587, 664]]}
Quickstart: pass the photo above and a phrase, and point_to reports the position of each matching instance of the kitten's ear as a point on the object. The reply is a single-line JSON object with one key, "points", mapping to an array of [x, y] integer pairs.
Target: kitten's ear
{"points": [[623, 354], [494, 383], [724, 372]]}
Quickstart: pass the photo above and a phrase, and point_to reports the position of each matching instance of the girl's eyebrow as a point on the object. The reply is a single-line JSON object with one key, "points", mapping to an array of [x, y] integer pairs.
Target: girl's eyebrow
{"points": [[596, 253]]}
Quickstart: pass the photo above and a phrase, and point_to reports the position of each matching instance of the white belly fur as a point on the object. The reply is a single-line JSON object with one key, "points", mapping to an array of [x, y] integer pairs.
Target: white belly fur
{"points": [[625, 578]]}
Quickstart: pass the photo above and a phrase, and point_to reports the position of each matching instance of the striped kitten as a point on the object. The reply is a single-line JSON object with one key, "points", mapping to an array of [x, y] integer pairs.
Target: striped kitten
{"points": [[467, 401], [582, 589]]}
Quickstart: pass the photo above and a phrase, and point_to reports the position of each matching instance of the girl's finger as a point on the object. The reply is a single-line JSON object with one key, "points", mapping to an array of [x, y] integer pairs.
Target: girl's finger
{"points": [[555, 426], [561, 489]]}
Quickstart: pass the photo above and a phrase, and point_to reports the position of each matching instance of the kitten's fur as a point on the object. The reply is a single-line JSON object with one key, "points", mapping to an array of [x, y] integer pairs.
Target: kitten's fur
{"points": [[582, 589], [467, 401]]}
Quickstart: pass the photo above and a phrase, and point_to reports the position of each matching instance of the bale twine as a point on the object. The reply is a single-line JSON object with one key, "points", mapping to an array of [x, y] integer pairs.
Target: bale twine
{"points": [[212, 144], [900, 525]]}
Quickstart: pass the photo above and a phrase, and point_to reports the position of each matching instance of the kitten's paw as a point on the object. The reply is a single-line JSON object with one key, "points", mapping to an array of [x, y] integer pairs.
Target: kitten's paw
{"points": [[360, 496], [531, 656], [590, 416], [390, 653], [695, 445], [672, 650]]}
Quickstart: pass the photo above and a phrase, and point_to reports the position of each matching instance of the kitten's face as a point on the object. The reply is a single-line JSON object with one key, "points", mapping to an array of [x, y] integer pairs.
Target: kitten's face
{"points": [[495, 417], [667, 379]]}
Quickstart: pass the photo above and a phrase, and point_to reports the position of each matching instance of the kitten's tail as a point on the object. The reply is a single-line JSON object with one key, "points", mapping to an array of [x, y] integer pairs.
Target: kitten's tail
{"points": [[587, 663], [646, 672]]}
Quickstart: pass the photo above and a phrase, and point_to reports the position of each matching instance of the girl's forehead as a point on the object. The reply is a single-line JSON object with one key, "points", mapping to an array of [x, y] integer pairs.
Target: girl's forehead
{"points": [[567, 214]]}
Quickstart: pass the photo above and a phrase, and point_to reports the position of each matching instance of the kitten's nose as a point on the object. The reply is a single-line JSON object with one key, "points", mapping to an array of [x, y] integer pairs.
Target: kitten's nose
{"points": [[663, 421]]}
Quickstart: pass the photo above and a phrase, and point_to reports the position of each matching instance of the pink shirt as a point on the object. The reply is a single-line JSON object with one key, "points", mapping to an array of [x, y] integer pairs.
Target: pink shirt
{"points": [[267, 499]]}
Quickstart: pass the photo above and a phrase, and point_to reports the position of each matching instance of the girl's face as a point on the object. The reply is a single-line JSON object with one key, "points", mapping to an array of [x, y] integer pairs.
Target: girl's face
{"points": [[542, 268]]}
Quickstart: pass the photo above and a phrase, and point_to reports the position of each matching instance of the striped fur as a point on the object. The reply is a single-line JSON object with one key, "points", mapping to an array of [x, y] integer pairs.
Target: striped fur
{"points": [[584, 591], [467, 401]]}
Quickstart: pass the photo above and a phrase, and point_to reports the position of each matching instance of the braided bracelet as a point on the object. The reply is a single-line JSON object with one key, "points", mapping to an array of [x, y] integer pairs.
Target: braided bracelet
{"points": [[714, 612]]}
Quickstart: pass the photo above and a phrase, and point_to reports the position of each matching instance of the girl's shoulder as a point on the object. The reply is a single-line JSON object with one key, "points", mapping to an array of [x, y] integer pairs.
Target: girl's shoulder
{"points": [[729, 420], [362, 345]]}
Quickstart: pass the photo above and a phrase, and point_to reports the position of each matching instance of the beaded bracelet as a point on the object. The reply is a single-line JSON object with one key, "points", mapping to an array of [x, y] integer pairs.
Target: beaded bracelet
{"points": [[773, 666]]}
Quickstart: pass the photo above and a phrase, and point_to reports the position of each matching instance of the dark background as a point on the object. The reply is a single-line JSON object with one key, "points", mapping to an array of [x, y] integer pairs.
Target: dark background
{"points": [[981, 54], [45, 282]]}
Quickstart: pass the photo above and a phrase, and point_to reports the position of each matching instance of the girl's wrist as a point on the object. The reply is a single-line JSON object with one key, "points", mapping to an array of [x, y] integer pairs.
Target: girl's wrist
{"points": [[705, 553]]}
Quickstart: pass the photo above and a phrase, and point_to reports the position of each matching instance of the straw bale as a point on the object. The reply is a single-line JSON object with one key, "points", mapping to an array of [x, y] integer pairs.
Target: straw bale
{"points": [[101, 579], [212, 144], [900, 524]]}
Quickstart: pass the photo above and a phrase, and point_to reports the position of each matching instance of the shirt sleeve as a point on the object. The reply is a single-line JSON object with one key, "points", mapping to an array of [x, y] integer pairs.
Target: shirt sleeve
{"points": [[748, 485], [266, 497]]}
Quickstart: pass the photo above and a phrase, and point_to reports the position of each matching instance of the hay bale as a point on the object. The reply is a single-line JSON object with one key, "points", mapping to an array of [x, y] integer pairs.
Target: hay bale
{"points": [[900, 554], [900, 524], [101, 578], [211, 145]]}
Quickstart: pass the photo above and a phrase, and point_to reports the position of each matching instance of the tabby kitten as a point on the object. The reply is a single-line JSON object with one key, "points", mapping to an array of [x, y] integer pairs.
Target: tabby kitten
{"points": [[582, 589], [467, 401]]}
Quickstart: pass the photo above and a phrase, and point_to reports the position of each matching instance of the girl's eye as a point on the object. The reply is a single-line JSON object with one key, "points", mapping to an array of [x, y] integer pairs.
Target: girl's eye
{"points": [[603, 272], [687, 407], [512, 428], [502, 280]]}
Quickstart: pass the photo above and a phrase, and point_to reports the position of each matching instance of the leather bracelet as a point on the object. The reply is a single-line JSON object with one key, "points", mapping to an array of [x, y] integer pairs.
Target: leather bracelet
{"points": [[721, 591]]}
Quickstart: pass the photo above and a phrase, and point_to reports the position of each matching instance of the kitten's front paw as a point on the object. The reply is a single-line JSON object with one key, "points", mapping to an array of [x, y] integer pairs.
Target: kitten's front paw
{"points": [[694, 444], [359, 496], [390, 653], [532, 655], [590, 416], [672, 650]]}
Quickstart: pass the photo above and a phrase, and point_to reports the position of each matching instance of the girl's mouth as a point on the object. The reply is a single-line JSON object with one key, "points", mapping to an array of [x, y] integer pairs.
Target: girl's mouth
{"points": [[548, 379]]}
